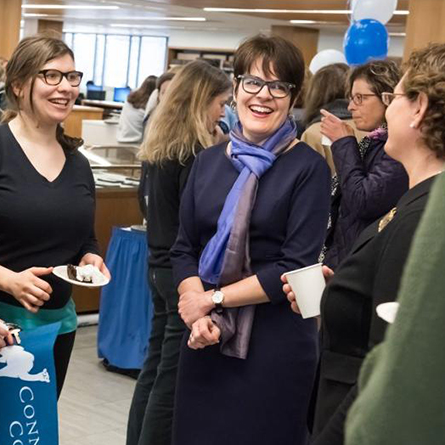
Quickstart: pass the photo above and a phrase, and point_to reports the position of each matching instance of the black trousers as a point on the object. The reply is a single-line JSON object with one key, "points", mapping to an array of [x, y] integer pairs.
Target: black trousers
{"points": [[151, 412], [63, 347]]}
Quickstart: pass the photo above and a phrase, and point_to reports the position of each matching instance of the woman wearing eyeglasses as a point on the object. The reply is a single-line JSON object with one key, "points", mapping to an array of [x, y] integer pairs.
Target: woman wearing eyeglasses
{"points": [[371, 274], [368, 182], [252, 209], [47, 196]]}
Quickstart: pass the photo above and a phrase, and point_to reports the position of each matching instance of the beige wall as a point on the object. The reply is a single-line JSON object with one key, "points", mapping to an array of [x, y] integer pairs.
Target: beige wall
{"points": [[305, 39]]}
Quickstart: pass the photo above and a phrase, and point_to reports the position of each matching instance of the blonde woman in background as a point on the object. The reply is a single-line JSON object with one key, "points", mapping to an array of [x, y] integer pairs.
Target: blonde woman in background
{"points": [[182, 125]]}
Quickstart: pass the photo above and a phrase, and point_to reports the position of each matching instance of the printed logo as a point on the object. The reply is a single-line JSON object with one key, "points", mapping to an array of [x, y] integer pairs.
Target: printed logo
{"points": [[19, 364]]}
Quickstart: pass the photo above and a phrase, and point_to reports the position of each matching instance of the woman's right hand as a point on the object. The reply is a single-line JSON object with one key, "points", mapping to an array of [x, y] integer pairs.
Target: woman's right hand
{"points": [[334, 128], [328, 273], [5, 335], [28, 289]]}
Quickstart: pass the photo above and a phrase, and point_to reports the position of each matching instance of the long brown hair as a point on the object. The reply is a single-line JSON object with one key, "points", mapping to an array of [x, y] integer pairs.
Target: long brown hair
{"points": [[138, 98], [31, 54], [179, 122], [326, 85]]}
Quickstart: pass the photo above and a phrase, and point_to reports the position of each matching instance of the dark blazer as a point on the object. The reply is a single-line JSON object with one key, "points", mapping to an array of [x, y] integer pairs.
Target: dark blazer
{"points": [[350, 326]]}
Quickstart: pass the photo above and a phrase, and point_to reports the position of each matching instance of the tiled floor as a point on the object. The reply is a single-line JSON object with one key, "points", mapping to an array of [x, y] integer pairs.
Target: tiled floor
{"points": [[94, 406]]}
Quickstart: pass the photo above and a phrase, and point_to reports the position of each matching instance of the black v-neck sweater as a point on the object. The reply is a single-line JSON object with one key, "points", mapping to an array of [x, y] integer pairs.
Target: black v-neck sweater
{"points": [[44, 223]]}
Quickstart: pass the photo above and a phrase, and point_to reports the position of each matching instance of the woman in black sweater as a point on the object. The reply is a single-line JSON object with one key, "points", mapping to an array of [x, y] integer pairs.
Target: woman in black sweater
{"points": [[184, 123], [47, 196]]}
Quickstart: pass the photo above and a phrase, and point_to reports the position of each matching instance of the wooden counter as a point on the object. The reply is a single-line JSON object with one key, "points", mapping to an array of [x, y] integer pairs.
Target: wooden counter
{"points": [[73, 123], [114, 207]]}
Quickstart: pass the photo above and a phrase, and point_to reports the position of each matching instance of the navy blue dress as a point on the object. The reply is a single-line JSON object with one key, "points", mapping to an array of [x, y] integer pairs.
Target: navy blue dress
{"points": [[222, 400]]}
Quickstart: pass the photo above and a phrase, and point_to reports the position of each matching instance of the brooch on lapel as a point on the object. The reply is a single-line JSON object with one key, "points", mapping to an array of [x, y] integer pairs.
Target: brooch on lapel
{"points": [[387, 219]]}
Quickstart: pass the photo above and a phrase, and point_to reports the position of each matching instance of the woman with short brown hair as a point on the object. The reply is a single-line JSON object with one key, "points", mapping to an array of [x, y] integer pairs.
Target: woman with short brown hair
{"points": [[252, 209]]}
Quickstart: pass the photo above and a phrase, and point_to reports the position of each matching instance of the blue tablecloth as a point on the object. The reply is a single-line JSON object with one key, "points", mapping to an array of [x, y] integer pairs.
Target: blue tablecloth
{"points": [[125, 305]]}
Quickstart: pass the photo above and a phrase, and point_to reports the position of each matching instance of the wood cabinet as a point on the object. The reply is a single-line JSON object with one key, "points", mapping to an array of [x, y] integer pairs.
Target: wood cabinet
{"points": [[180, 56], [73, 123]]}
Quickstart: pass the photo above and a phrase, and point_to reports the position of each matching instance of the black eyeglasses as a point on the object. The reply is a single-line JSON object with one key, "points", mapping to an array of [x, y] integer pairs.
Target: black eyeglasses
{"points": [[358, 98], [277, 88], [54, 77], [387, 98]]}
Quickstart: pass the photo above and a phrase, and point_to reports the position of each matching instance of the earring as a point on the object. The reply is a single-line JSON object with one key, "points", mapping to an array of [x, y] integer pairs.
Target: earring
{"points": [[232, 104], [412, 125]]}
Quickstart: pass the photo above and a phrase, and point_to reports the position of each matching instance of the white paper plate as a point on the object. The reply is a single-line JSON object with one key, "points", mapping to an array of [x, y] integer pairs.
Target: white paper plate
{"points": [[387, 311], [61, 272]]}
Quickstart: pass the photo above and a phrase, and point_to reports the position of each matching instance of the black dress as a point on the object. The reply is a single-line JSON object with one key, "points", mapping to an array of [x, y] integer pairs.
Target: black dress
{"points": [[261, 400], [369, 276]]}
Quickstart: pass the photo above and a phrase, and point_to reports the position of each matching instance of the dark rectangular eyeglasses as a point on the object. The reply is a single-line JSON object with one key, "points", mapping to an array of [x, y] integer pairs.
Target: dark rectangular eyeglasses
{"points": [[54, 77], [277, 88]]}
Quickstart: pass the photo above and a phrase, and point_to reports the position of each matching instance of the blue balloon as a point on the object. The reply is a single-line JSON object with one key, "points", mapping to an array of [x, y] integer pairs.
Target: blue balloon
{"points": [[365, 40]]}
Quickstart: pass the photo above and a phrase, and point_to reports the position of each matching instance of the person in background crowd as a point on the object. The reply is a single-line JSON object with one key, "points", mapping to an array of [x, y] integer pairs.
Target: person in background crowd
{"points": [[47, 196], [251, 210], [402, 380], [162, 84], [371, 274], [327, 90], [182, 125], [156, 96], [131, 125], [368, 182], [298, 111], [2, 88]]}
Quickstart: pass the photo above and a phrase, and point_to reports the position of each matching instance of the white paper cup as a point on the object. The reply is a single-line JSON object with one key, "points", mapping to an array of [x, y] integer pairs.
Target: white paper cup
{"points": [[307, 284], [325, 141]]}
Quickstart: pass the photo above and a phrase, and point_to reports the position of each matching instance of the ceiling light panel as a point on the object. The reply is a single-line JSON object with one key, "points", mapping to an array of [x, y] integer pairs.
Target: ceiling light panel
{"points": [[28, 6]]}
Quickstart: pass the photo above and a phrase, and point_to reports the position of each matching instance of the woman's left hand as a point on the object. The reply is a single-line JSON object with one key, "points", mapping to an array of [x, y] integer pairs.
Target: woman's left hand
{"points": [[333, 127], [204, 333], [5, 335], [95, 260], [194, 305]]}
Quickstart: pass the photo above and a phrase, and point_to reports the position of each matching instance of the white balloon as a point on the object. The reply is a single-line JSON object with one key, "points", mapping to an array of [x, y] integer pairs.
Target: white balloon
{"points": [[381, 10], [325, 58]]}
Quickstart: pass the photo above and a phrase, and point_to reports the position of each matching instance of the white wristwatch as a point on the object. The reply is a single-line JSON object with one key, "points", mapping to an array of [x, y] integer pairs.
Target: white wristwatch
{"points": [[218, 299]]}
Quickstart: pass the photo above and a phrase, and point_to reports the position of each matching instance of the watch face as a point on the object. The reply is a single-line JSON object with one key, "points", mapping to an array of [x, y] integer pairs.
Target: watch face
{"points": [[218, 297]]}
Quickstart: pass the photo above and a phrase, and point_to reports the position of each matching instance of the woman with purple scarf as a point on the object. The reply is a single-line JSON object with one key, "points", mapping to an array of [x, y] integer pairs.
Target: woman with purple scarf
{"points": [[368, 182], [253, 208]]}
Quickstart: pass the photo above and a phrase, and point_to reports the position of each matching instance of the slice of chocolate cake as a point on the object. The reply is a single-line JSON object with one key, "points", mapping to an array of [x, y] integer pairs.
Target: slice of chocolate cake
{"points": [[71, 271], [83, 274]]}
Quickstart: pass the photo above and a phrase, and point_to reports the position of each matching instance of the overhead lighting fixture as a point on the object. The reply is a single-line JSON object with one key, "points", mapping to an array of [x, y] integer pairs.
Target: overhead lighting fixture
{"points": [[397, 34], [28, 6], [162, 19], [176, 19], [130, 26], [35, 15], [281, 11], [304, 22], [291, 11]]}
